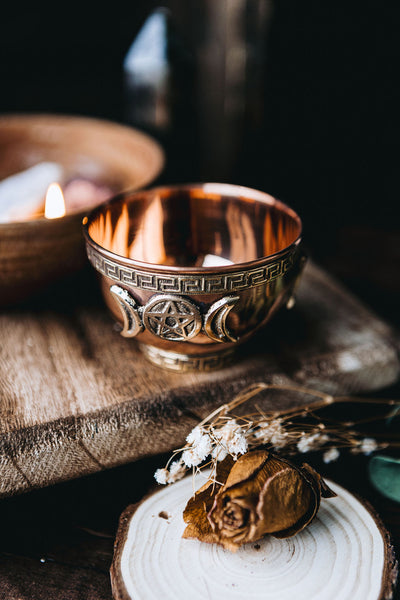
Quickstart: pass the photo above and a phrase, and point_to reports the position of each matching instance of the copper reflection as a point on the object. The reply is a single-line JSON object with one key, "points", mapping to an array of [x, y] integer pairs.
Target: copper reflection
{"points": [[149, 248], [178, 227], [148, 244]]}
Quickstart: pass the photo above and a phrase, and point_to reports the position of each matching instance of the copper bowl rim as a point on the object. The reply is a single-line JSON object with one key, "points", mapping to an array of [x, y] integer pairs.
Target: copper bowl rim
{"points": [[9, 119], [216, 188]]}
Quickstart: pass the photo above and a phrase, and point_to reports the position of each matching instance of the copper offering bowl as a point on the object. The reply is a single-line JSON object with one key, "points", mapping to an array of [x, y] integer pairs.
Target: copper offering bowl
{"points": [[193, 271], [34, 252]]}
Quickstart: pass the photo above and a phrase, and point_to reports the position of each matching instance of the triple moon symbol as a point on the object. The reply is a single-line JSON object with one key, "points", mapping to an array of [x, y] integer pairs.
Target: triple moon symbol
{"points": [[132, 322], [215, 320], [174, 318]]}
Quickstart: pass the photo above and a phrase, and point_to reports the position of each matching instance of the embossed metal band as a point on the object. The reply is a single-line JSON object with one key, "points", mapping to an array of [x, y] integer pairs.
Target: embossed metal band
{"points": [[190, 284], [184, 363], [174, 318]]}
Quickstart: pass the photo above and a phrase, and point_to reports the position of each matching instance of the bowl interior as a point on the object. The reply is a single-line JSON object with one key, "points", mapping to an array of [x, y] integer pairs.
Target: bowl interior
{"points": [[209, 225]]}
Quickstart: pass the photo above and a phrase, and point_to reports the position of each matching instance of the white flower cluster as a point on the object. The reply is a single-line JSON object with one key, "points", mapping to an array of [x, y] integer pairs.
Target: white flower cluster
{"points": [[307, 443], [366, 446], [330, 455], [226, 436], [271, 432], [229, 439], [217, 443], [175, 472], [200, 447]]}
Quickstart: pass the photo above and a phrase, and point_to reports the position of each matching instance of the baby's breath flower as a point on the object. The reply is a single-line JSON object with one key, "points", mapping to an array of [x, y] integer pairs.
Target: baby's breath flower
{"points": [[204, 446], [195, 455], [161, 476], [311, 442], [177, 470], [237, 445], [330, 455], [230, 439], [195, 435], [279, 440], [191, 458], [228, 430], [366, 446], [271, 432], [219, 452], [201, 446], [294, 430]]}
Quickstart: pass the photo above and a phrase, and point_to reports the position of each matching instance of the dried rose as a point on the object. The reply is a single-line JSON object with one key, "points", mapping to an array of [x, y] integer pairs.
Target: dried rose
{"points": [[258, 494]]}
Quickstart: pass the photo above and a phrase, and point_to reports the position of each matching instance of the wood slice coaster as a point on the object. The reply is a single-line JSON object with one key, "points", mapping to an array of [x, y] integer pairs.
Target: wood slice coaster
{"points": [[344, 554]]}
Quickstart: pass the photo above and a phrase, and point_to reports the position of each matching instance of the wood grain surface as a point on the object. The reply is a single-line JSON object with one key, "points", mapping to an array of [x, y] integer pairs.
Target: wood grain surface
{"points": [[77, 398]]}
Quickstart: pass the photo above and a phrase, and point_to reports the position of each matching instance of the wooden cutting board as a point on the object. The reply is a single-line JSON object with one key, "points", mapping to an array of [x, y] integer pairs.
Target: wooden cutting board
{"points": [[76, 397]]}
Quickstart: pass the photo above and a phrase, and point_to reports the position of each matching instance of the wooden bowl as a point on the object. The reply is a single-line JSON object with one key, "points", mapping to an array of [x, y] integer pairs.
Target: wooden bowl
{"points": [[33, 253]]}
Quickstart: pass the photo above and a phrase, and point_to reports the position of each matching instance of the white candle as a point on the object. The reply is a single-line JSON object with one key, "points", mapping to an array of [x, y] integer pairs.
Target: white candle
{"points": [[22, 195]]}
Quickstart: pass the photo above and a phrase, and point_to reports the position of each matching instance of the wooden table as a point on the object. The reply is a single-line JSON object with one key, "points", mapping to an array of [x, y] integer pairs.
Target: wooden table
{"points": [[57, 542]]}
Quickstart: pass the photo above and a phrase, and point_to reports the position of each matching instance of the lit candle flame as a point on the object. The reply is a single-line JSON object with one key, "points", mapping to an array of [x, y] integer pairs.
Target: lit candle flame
{"points": [[55, 205]]}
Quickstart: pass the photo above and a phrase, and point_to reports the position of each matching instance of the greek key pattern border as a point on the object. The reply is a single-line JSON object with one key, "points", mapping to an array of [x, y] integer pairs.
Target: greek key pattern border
{"points": [[190, 284]]}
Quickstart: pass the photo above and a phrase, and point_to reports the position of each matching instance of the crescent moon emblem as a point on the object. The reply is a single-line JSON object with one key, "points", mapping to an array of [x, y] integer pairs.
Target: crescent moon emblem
{"points": [[132, 322], [215, 320]]}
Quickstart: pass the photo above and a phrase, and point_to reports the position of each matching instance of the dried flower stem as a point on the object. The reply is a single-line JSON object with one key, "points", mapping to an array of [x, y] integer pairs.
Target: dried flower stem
{"points": [[224, 432]]}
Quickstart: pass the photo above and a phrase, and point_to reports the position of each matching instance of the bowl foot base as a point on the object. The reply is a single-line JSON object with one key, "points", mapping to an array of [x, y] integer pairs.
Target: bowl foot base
{"points": [[186, 363]]}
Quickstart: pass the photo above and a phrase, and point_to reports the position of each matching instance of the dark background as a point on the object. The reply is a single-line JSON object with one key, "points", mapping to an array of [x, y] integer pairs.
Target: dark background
{"points": [[325, 139]]}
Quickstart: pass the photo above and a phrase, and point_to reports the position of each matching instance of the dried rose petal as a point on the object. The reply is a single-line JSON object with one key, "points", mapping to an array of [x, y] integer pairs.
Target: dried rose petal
{"points": [[260, 493]]}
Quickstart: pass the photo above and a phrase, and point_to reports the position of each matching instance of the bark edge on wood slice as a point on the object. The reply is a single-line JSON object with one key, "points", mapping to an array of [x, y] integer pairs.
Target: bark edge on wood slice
{"points": [[346, 543]]}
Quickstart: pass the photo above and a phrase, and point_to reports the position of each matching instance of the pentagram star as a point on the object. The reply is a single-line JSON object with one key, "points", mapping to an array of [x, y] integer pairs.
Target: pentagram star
{"points": [[169, 322]]}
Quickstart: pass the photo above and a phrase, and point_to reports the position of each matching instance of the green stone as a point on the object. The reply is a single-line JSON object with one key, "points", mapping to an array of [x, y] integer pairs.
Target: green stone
{"points": [[384, 474]]}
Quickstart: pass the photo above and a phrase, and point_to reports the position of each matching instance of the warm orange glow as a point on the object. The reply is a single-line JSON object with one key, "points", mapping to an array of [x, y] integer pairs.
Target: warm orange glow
{"points": [[148, 240], [55, 205], [148, 245]]}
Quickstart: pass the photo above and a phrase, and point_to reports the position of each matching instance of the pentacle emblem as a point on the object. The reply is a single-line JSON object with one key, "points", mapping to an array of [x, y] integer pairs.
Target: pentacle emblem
{"points": [[172, 318]]}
